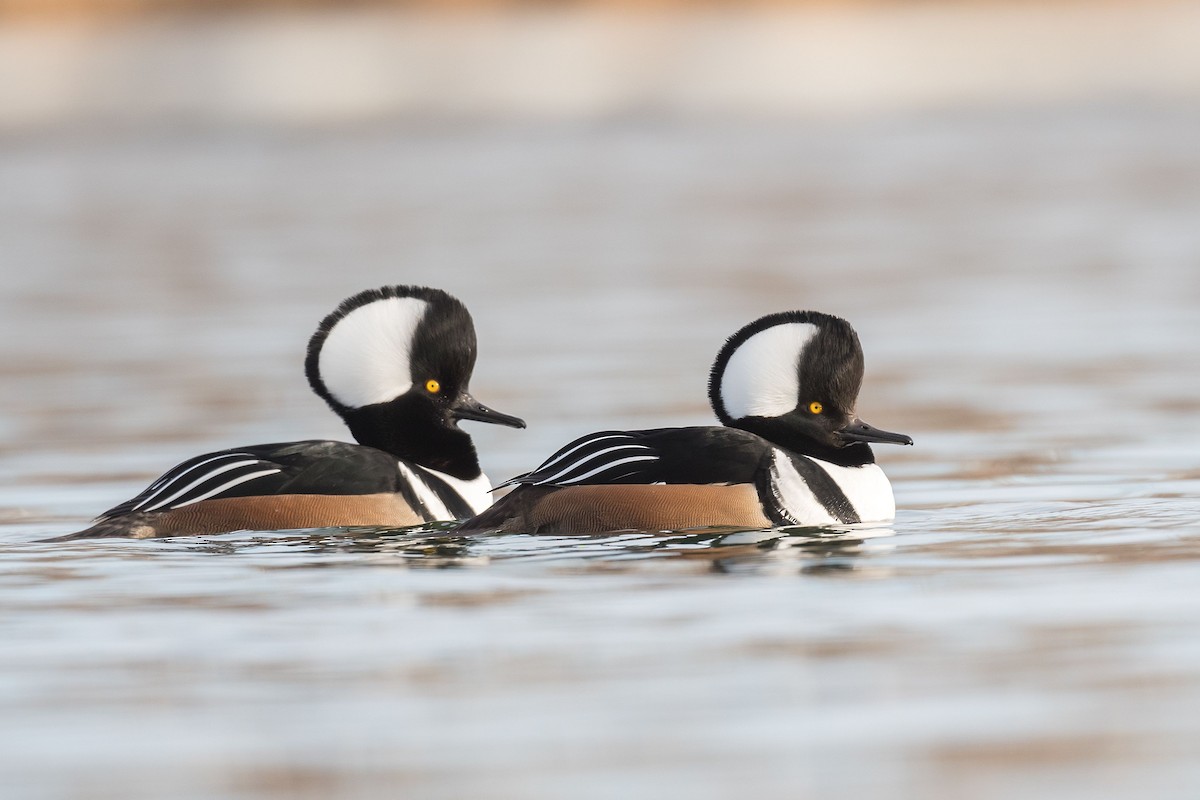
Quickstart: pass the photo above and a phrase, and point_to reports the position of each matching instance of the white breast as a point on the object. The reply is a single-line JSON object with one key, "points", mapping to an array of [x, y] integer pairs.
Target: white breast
{"points": [[797, 499], [476, 492], [866, 487]]}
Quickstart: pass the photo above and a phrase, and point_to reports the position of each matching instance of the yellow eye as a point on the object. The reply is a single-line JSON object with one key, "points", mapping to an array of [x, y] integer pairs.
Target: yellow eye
{"points": [[432, 386], [816, 408]]}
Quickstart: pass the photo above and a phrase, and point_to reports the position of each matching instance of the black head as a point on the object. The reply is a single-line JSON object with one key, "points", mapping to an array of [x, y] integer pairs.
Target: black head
{"points": [[395, 363], [793, 378]]}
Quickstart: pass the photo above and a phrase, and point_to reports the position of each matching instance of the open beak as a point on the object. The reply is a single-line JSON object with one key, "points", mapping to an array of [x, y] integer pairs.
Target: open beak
{"points": [[858, 431], [467, 407]]}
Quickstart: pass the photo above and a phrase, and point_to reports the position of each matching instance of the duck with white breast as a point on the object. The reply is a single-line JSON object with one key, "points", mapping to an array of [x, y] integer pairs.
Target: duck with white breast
{"points": [[394, 363], [792, 451]]}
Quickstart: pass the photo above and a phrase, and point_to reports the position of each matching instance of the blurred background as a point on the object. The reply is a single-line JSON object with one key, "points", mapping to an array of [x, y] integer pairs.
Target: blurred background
{"points": [[190, 185], [1003, 197]]}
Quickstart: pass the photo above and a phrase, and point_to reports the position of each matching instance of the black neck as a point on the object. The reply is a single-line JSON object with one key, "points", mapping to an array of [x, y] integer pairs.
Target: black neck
{"points": [[413, 432], [776, 431]]}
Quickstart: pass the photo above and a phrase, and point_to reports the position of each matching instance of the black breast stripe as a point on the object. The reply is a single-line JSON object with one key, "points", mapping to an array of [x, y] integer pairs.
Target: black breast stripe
{"points": [[771, 501], [451, 499], [826, 490], [823, 487], [410, 495]]}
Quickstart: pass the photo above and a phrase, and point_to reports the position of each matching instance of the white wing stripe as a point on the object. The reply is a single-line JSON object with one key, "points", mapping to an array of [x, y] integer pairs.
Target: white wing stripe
{"points": [[609, 465], [206, 476], [153, 491], [228, 485], [590, 458], [584, 443]]}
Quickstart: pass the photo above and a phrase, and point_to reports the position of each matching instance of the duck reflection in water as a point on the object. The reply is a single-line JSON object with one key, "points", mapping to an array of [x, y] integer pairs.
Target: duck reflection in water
{"points": [[807, 550]]}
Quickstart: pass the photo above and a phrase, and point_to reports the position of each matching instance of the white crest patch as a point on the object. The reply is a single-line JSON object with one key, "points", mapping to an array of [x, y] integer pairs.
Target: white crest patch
{"points": [[760, 378], [365, 357]]}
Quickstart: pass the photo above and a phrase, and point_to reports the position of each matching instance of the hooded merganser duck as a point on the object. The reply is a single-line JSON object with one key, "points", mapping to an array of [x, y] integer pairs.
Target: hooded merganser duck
{"points": [[793, 451], [394, 363]]}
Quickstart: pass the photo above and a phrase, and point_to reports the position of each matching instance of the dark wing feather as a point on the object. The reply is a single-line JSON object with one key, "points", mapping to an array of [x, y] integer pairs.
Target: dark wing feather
{"points": [[312, 467], [707, 455]]}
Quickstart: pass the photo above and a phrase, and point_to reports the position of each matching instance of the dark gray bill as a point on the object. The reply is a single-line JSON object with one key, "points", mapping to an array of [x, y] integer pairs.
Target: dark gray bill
{"points": [[468, 407], [859, 431]]}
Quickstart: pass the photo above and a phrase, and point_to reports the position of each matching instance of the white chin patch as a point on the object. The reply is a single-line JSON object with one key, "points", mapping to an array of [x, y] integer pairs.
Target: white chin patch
{"points": [[365, 358], [760, 378]]}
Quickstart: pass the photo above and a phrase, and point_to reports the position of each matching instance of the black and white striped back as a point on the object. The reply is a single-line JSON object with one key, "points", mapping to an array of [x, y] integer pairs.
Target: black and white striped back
{"points": [[200, 478], [603, 457], [793, 489]]}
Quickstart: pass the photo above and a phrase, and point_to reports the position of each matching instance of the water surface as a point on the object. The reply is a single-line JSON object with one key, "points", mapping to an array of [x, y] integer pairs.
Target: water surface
{"points": [[1026, 286]]}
